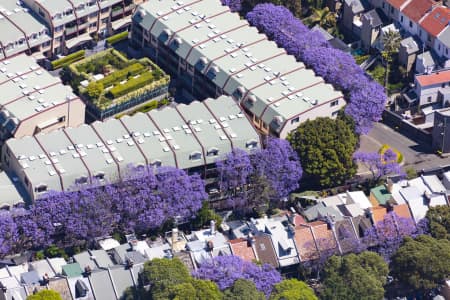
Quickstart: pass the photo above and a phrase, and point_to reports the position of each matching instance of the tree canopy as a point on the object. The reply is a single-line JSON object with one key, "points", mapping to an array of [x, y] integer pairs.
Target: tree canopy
{"points": [[292, 289], [225, 270], [45, 295], [243, 289], [327, 157], [439, 221], [354, 277], [422, 263]]}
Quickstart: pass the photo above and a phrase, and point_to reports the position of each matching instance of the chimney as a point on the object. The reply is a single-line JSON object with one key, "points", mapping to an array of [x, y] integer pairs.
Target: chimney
{"points": [[174, 236], [213, 227]]}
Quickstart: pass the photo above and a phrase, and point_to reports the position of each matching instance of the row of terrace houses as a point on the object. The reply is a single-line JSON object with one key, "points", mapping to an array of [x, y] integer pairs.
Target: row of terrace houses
{"points": [[212, 52], [190, 137], [46, 28]]}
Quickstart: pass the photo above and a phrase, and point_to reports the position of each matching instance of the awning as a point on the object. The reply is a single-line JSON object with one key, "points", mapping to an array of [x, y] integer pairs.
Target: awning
{"points": [[78, 40], [120, 23]]}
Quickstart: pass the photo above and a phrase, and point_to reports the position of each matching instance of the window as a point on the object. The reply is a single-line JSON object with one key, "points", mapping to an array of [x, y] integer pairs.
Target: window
{"points": [[335, 113], [61, 119], [105, 21], [212, 152], [392, 10], [156, 163], [100, 176], [439, 47], [195, 156], [40, 188], [27, 182], [446, 50], [59, 28], [295, 120], [420, 32], [401, 19], [251, 144], [81, 180], [334, 103], [429, 38], [383, 5], [429, 99], [410, 24], [443, 85], [41, 12]]}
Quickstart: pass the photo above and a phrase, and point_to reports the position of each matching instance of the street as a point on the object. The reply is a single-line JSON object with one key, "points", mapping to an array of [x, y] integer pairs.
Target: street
{"points": [[415, 155]]}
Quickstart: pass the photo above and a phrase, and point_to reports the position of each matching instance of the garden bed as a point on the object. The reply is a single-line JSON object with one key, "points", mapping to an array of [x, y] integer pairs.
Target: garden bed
{"points": [[108, 79]]}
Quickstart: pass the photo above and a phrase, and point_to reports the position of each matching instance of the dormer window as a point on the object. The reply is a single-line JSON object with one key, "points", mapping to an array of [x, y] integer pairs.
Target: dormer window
{"points": [[251, 144], [81, 180], [100, 176], [212, 152], [156, 163], [195, 155], [40, 188]]}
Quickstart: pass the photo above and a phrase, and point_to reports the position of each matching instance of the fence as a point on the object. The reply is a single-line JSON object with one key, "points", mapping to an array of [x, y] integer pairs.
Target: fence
{"points": [[407, 129]]}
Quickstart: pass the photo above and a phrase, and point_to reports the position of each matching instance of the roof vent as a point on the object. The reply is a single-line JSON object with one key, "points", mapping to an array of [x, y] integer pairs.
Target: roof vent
{"points": [[251, 99]]}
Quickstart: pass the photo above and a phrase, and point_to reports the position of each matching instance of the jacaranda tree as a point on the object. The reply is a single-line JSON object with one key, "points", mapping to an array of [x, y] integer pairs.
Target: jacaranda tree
{"points": [[366, 97], [225, 270]]}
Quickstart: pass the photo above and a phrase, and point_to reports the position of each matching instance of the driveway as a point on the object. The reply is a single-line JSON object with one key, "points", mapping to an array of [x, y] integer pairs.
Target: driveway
{"points": [[418, 156]]}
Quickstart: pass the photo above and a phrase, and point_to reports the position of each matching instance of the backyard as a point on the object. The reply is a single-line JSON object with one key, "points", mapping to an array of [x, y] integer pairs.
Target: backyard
{"points": [[108, 79]]}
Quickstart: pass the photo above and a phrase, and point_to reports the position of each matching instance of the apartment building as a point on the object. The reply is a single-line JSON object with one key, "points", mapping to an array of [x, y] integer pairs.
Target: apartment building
{"points": [[71, 23], [33, 101], [189, 137], [213, 52], [21, 31]]}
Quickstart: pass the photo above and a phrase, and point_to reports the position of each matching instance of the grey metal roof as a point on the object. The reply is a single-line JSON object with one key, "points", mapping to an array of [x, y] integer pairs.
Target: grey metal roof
{"points": [[101, 258], [57, 8], [84, 259], [233, 54], [373, 18], [9, 195], [102, 286], [356, 5], [28, 90], [410, 44], [444, 37], [21, 16], [156, 137], [122, 280]]}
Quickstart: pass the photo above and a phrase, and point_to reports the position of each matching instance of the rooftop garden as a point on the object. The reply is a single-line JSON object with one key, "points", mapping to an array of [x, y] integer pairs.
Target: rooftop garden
{"points": [[108, 78]]}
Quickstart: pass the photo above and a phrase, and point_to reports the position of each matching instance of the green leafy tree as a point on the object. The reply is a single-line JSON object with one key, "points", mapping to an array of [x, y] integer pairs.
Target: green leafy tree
{"points": [[354, 277], [163, 274], [94, 89], [439, 220], [205, 215], [325, 147], [423, 263], [196, 289], [292, 289], [322, 17], [243, 290], [391, 43], [45, 295]]}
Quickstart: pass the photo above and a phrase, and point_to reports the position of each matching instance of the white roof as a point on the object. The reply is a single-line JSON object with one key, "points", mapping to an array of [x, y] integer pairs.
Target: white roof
{"points": [[57, 263], [42, 267], [108, 244], [360, 198]]}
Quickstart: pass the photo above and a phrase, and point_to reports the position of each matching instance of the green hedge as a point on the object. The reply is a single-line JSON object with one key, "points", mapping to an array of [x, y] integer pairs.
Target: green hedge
{"points": [[120, 75], [68, 59], [117, 38], [130, 85]]}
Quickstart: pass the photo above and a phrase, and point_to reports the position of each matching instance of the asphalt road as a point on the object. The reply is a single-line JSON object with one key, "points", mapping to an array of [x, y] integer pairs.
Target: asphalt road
{"points": [[415, 155]]}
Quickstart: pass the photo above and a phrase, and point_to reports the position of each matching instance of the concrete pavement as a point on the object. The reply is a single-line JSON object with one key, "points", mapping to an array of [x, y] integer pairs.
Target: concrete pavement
{"points": [[415, 155]]}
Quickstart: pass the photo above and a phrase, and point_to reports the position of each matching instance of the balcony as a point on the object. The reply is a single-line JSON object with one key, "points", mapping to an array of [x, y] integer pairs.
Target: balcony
{"points": [[116, 11], [71, 29]]}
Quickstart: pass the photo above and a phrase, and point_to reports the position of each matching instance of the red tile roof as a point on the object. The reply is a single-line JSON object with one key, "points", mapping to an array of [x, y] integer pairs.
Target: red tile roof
{"points": [[298, 220], [240, 248], [434, 78], [397, 3], [416, 9], [402, 210], [324, 236], [378, 214], [304, 241], [436, 21]]}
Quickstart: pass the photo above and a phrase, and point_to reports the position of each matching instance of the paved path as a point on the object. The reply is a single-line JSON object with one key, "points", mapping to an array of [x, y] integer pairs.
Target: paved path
{"points": [[415, 155]]}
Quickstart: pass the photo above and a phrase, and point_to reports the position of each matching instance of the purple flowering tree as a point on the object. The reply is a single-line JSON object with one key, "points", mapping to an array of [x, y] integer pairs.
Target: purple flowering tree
{"points": [[234, 5], [225, 270], [379, 164], [387, 235], [279, 163], [366, 98], [8, 233], [234, 172]]}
